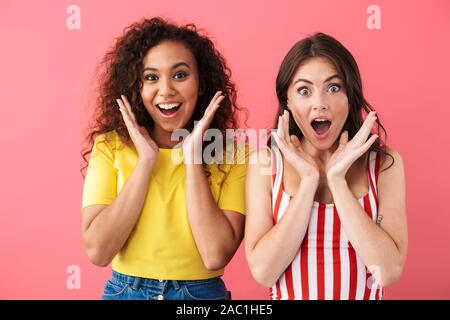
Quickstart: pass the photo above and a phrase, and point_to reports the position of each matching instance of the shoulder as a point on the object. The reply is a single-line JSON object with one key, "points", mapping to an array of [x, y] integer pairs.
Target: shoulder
{"points": [[260, 157], [260, 168], [391, 160], [229, 164], [108, 137], [259, 174], [242, 152], [106, 143], [232, 156], [391, 172]]}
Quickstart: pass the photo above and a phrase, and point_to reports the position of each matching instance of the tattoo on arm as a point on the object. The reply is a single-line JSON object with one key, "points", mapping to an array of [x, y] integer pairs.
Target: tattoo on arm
{"points": [[379, 218]]}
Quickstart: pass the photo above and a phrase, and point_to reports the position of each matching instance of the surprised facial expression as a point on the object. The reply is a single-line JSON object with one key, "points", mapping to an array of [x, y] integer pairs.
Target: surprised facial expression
{"points": [[170, 84], [318, 102]]}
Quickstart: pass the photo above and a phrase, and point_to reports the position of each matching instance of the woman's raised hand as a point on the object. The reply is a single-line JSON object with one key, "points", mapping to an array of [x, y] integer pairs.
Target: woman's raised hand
{"points": [[192, 145], [292, 150], [144, 144], [348, 151]]}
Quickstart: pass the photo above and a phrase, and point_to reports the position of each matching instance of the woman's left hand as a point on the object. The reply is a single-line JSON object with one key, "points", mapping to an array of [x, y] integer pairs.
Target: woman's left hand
{"points": [[192, 145], [349, 151]]}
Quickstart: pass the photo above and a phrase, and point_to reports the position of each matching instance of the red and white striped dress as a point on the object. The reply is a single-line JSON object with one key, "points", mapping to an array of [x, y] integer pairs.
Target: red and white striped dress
{"points": [[326, 266]]}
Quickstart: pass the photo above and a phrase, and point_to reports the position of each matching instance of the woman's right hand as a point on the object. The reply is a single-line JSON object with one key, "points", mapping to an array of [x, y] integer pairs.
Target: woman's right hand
{"points": [[145, 146], [293, 152]]}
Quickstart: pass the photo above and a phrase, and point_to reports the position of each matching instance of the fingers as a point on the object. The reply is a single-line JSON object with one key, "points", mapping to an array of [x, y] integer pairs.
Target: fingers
{"points": [[279, 128], [361, 150], [215, 102], [125, 115], [279, 136], [277, 139], [368, 143], [215, 106], [208, 116], [286, 127], [363, 133], [283, 127], [281, 144], [283, 139], [343, 139], [128, 106], [296, 142], [212, 108]]}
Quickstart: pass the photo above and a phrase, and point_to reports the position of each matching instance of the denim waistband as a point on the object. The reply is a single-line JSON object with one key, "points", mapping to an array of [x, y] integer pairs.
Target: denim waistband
{"points": [[138, 281]]}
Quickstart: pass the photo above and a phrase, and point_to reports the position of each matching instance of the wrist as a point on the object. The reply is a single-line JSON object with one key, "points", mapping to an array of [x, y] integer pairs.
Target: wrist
{"points": [[194, 172], [312, 178], [193, 166], [336, 182], [192, 158], [309, 183], [146, 162]]}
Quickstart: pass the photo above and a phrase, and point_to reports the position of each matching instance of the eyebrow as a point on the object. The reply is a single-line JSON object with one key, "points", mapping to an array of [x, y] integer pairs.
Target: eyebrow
{"points": [[176, 65], [326, 80]]}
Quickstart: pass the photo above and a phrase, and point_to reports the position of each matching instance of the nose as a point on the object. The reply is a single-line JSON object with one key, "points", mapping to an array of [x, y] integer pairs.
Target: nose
{"points": [[320, 107], [319, 103], [166, 88]]}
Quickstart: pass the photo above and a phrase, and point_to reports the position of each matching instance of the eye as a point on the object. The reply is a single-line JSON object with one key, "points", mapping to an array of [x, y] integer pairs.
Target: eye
{"points": [[151, 77], [333, 88], [304, 91], [180, 75]]}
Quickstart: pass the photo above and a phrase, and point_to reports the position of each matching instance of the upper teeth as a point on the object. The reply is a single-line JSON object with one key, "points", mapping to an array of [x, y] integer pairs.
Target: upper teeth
{"points": [[321, 120], [168, 105]]}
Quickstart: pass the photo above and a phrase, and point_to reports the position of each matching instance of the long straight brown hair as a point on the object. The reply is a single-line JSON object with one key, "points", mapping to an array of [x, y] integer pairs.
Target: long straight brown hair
{"points": [[322, 45]]}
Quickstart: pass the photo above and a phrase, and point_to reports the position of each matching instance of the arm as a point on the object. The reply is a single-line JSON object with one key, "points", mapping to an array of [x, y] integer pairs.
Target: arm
{"points": [[381, 247], [217, 233], [106, 228], [271, 248]]}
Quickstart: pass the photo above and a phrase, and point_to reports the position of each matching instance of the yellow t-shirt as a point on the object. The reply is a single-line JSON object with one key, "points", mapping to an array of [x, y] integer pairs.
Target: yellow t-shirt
{"points": [[161, 246]]}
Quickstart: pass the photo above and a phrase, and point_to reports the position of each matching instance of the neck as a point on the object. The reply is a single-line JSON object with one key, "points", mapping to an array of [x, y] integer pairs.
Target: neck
{"points": [[322, 155], [163, 138]]}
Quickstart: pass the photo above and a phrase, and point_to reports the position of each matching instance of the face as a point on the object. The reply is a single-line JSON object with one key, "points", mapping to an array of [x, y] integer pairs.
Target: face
{"points": [[318, 102], [170, 85]]}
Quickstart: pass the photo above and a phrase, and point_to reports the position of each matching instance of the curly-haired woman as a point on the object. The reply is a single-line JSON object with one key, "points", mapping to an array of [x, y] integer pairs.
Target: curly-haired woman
{"points": [[168, 227]]}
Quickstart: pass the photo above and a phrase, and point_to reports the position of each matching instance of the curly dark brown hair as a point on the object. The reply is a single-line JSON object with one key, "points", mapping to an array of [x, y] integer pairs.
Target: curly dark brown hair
{"points": [[120, 72]]}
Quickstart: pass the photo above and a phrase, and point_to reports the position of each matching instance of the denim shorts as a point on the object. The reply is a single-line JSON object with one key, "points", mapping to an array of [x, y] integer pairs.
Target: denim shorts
{"points": [[124, 287]]}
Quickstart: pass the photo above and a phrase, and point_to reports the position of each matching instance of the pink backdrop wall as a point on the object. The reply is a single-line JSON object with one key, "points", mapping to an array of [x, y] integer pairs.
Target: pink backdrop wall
{"points": [[45, 73]]}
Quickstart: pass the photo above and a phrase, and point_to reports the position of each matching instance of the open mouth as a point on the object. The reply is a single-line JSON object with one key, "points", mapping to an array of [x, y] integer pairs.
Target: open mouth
{"points": [[321, 126], [168, 109]]}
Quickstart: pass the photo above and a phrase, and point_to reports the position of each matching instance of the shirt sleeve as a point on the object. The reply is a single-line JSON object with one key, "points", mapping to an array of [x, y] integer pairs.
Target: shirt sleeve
{"points": [[232, 195], [100, 184]]}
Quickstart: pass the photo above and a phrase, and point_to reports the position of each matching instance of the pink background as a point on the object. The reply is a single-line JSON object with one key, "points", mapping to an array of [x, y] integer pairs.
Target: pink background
{"points": [[45, 76]]}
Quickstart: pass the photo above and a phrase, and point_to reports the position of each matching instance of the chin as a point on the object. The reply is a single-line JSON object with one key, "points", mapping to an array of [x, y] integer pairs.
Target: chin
{"points": [[323, 145], [171, 127]]}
